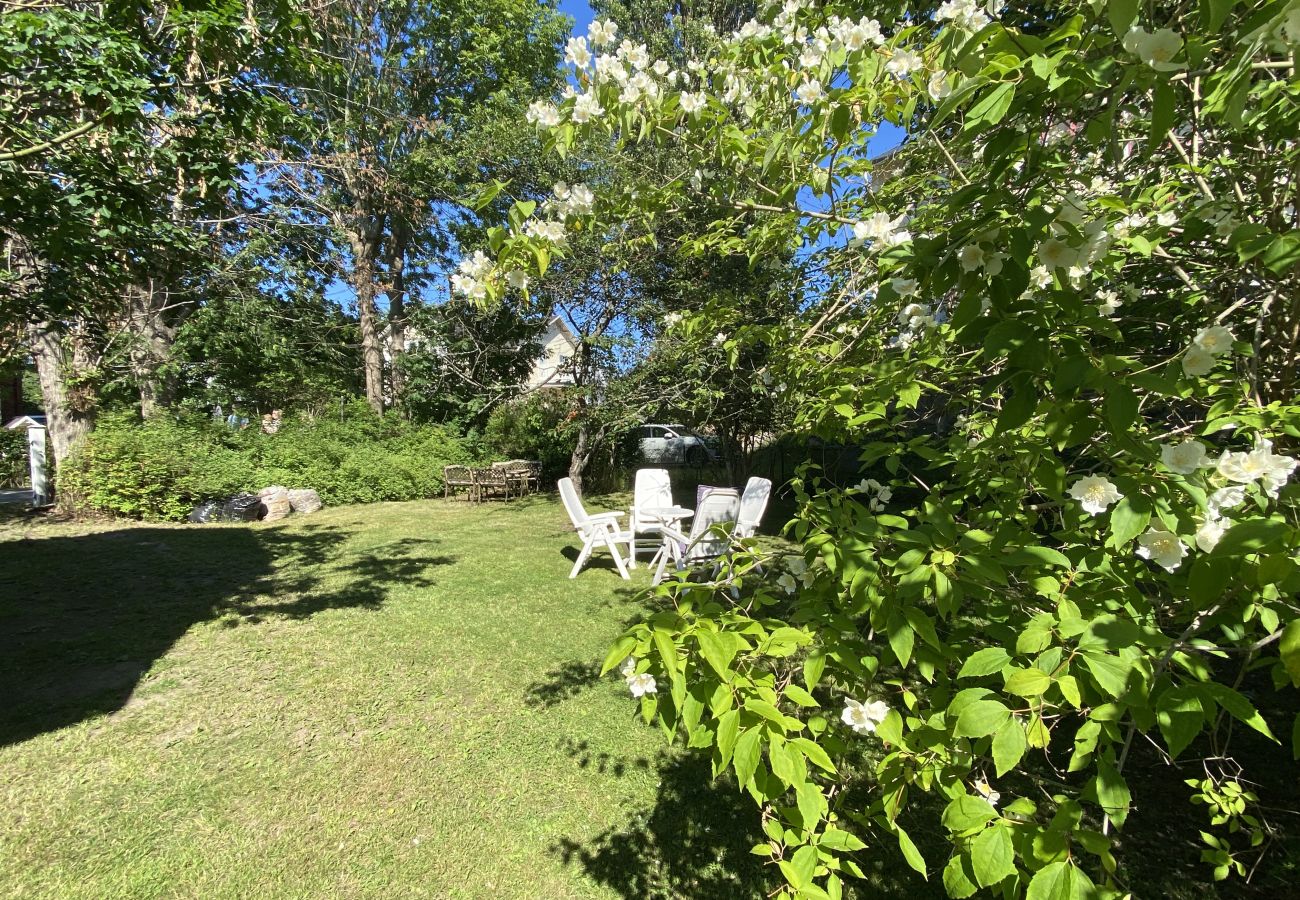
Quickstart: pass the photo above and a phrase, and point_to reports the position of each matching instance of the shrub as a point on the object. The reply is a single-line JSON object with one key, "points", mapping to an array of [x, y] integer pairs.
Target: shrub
{"points": [[161, 468], [13, 457]]}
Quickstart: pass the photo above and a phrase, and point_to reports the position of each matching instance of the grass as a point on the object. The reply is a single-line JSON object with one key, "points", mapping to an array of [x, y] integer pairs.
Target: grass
{"points": [[390, 700], [394, 700]]}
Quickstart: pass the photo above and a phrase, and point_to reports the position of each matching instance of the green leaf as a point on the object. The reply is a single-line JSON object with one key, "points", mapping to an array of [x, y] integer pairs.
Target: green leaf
{"points": [[984, 662], [992, 107], [1121, 14], [901, 638], [836, 839], [1008, 746], [1289, 649], [1028, 682], [1112, 792], [958, 879], [1252, 537], [1180, 717], [813, 667], [728, 731], [800, 696], [747, 754], [1110, 672], [1121, 407], [992, 856], [812, 805], [663, 641], [910, 853], [816, 755], [1129, 518], [803, 864], [1055, 881], [1239, 707], [981, 718], [966, 812], [617, 653], [717, 652]]}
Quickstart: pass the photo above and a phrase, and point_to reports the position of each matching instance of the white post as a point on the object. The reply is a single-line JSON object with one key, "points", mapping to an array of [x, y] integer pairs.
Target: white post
{"points": [[36, 455]]}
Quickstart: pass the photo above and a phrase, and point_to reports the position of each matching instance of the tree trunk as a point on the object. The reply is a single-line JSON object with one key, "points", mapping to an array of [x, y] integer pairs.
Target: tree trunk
{"points": [[578, 459], [364, 250], [152, 338], [397, 308], [69, 403]]}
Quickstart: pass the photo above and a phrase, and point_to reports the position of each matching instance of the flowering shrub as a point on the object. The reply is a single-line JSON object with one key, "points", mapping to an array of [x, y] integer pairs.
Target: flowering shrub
{"points": [[1063, 317]]}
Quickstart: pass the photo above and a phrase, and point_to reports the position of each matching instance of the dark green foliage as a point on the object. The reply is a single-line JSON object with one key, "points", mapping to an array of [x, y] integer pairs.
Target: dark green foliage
{"points": [[161, 468], [13, 457], [534, 427], [463, 361]]}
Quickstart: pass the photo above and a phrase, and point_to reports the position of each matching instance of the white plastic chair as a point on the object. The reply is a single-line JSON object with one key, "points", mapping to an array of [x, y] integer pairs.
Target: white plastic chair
{"points": [[753, 503], [719, 506], [653, 489], [602, 528]]}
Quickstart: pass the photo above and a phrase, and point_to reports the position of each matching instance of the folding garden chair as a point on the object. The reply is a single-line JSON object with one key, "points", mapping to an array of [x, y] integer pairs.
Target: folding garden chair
{"points": [[602, 528], [653, 490], [719, 506]]}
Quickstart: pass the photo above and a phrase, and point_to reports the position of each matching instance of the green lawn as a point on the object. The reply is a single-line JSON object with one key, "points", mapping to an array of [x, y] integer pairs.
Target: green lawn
{"points": [[389, 700]]}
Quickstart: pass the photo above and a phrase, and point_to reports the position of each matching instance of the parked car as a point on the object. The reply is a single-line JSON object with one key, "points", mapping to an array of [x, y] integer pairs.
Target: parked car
{"points": [[675, 444]]}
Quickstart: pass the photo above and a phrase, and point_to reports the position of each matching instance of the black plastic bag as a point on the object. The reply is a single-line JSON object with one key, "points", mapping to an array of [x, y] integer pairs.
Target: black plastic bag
{"points": [[205, 512], [242, 508]]}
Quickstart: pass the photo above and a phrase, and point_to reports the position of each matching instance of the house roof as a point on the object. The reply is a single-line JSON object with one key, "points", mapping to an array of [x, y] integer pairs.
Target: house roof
{"points": [[25, 422]]}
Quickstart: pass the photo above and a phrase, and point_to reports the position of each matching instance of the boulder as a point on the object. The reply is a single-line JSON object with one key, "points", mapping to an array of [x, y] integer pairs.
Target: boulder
{"points": [[304, 501], [275, 500]]}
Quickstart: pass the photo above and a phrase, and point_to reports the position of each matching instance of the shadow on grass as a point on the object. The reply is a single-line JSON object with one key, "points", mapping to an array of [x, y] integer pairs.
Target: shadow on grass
{"points": [[693, 842], [83, 618]]}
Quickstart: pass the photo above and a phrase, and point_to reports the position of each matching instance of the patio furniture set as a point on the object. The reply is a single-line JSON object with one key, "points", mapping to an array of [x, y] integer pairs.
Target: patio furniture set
{"points": [[513, 477], [655, 522]]}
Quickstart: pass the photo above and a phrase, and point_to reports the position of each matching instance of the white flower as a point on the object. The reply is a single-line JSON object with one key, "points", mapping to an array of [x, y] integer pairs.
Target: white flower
{"points": [[1184, 458], [881, 230], [636, 54], [810, 58], [628, 669], [1271, 469], [985, 790], [1215, 339], [972, 257], [580, 200], [938, 86], [542, 114], [602, 33], [856, 36], [576, 52], [642, 684], [1040, 277], [1156, 49], [692, 103], [864, 717], [517, 279], [720, 338], [903, 63], [964, 14], [787, 583], [1161, 547], [810, 91], [1197, 362], [904, 287], [1095, 493], [476, 265], [1108, 303], [1166, 219], [1225, 498], [1055, 253], [1209, 534], [586, 108]]}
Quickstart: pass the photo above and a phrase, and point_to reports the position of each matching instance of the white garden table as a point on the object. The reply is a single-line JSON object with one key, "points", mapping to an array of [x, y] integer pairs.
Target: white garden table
{"points": [[669, 520]]}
